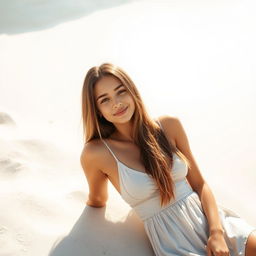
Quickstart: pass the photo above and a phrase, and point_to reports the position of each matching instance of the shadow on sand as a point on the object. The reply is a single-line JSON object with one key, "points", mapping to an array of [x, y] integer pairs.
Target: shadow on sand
{"points": [[93, 235], [20, 16]]}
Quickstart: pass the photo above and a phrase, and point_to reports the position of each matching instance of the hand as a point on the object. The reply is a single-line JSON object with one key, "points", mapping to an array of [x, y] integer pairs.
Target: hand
{"points": [[216, 245]]}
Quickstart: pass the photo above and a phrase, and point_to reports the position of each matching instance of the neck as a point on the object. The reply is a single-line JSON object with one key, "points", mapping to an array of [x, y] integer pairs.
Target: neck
{"points": [[123, 132]]}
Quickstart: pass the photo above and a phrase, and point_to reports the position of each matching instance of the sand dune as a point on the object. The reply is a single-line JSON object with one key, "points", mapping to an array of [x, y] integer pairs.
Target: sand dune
{"points": [[43, 194], [24, 16], [199, 56]]}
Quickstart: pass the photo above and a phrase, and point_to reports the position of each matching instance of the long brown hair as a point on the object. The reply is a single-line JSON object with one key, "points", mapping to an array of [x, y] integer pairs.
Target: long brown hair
{"points": [[148, 136]]}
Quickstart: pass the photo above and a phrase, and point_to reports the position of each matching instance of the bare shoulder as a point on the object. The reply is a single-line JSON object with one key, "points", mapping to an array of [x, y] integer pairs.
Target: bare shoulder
{"points": [[174, 126], [176, 130], [91, 156], [90, 151], [168, 120], [97, 180], [91, 148], [171, 125]]}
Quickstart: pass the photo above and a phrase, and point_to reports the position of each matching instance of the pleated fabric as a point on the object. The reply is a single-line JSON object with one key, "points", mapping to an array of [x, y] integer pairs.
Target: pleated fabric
{"points": [[181, 227]]}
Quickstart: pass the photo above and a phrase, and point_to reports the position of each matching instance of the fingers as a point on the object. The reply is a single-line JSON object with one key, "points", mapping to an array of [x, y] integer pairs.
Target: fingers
{"points": [[208, 251]]}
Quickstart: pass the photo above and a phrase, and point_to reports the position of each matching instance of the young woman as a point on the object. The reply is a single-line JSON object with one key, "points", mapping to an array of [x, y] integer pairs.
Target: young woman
{"points": [[151, 165]]}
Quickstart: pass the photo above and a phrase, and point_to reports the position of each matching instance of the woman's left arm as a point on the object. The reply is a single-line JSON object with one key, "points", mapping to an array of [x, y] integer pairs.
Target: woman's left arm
{"points": [[216, 242]]}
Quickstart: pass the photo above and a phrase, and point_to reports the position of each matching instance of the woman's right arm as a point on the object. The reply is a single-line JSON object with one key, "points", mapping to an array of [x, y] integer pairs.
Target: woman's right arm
{"points": [[97, 180]]}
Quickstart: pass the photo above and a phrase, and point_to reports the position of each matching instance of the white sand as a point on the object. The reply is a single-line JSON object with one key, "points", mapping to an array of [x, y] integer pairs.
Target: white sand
{"points": [[199, 56]]}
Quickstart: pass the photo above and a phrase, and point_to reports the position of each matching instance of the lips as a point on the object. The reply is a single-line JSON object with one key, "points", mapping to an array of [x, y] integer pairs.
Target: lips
{"points": [[120, 111]]}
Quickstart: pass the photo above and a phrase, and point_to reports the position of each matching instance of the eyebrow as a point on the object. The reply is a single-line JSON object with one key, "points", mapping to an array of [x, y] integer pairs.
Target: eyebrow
{"points": [[102, 95]]}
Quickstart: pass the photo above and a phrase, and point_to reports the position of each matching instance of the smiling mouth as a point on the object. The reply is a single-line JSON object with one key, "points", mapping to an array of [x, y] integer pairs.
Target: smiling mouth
{"points": [[120, 113]]}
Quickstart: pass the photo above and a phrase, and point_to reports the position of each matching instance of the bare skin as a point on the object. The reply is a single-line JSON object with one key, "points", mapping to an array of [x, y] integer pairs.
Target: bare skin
{"points": [[126, 152], [120, 141], [116, 97], [100, 166], [250, 249]]}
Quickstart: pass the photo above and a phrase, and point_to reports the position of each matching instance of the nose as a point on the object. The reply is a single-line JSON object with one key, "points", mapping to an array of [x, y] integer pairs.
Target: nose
{"points": [[117, 105]]}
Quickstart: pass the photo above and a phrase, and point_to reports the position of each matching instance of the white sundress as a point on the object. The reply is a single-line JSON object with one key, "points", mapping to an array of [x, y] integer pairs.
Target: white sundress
{"points": [[181, 227]]}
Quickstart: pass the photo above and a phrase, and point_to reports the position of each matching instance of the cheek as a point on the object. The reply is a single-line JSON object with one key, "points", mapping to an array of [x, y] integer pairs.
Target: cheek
{"points": [[105, 108], [131, 101], [100, 108]]}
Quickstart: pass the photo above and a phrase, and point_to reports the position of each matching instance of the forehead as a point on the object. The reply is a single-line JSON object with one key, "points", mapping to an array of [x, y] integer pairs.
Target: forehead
{"points": [[106, 83]]}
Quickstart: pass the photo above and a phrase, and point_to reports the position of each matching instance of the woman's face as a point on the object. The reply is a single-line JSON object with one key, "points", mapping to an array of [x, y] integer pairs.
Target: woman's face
{"points": [[112, 97]]}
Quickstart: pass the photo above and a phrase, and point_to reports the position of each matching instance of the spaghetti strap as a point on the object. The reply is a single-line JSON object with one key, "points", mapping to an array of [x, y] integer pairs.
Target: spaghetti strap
{"points": [[180, 227], [110, 150], [157, 120]]}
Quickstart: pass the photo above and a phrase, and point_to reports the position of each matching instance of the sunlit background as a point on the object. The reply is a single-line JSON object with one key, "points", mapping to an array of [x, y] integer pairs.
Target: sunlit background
{"points": [[191, 59]]}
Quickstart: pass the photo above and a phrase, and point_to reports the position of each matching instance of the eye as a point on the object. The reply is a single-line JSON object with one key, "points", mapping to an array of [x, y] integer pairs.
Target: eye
{"points": [[103, 100], [120, 92]]}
